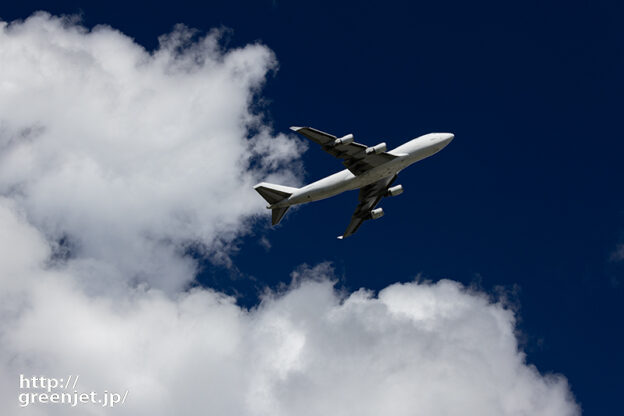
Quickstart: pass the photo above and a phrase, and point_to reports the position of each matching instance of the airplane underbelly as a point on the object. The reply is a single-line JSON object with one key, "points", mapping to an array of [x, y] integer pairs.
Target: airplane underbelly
{"points": [[324, 188], [329, 190], [380, 172], [341, 182]]}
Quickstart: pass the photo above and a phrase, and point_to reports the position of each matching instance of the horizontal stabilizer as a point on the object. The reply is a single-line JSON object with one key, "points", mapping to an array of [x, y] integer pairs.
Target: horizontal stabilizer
{"points": [[277, 214], [274, 193]]}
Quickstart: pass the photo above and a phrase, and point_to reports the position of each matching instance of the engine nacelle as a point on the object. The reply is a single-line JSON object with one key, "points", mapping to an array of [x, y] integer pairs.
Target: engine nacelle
{"points": [[376, 213], [344, 140], [380, 148], [395, 190]]}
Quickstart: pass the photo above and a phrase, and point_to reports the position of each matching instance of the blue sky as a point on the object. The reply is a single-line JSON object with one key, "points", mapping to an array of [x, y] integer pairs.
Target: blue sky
{"points": [[526, 199]]}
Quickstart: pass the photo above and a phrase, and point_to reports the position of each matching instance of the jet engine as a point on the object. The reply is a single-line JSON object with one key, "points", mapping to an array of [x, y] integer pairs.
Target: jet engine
{"points": [[395, 190], [344, 140], [376, 213], [380, 148]]}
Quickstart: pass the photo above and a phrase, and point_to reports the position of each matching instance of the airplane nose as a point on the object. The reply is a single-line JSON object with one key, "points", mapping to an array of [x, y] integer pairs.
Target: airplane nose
{"points": [[446, 138]]}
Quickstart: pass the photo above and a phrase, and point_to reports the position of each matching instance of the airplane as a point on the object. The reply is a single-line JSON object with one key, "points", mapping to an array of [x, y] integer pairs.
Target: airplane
{"points": [[371, 169]]}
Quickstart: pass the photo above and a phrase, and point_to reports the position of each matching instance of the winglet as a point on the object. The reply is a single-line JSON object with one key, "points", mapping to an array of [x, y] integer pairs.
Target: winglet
{"points": [[295, 128]]}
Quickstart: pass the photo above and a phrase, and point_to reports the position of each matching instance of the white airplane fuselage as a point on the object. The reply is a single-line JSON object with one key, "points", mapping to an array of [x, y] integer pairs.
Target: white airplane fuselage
{"points": [[407, 154]]}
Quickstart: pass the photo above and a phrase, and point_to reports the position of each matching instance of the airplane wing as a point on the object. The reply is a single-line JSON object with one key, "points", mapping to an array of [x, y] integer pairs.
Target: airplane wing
{"points": [[369, 197], [356, 159]]}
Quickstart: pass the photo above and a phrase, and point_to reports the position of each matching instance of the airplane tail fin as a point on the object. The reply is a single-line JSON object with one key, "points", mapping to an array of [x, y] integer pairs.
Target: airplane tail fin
{"points": [[273, 194]]}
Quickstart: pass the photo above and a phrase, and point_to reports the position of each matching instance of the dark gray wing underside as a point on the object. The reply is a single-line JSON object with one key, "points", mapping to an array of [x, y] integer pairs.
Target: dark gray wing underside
{"points": [[369, 197], [353, 154]]}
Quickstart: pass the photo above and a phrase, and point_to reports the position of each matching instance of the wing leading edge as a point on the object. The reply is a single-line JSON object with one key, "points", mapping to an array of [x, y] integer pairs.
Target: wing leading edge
{"points": [[369, 197], [355, 156]]}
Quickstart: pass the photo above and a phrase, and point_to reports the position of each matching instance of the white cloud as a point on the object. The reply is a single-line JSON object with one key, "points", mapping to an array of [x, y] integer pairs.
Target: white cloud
{"points": [[435, 348], [133, 156]]}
